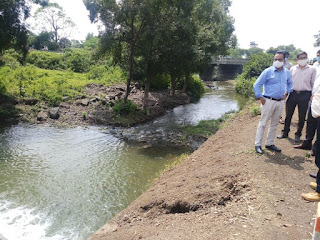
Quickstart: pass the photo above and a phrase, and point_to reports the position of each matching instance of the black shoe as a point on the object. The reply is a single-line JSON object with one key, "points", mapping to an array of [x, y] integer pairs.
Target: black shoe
{"points": [[314, 175], [282, 135], [304, 145], [259, 149], [296, 138], [273, 148]]}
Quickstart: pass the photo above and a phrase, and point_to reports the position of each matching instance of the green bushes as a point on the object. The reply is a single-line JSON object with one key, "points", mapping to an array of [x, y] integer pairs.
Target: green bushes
{"points": [[159, 82], [78, 60], [251, 70], [195, 87], [46, 60], [123, 109], [106, 74]]}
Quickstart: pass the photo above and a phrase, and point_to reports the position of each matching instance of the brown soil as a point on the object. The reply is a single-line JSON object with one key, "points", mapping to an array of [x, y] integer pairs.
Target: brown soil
{"points": [[224, 190], [94, 107]]}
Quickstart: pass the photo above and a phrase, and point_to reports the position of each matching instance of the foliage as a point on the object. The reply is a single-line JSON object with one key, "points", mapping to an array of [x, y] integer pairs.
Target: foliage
{"points": [[47, 85], [255, 110], [46, 60], [291, 49], [124, 108], [12, 27], [91, 42], [195, 87], [205, 128], [251, 70], [52, 18], [160, 82], [10, 58], [111, 74], [78, 60]]}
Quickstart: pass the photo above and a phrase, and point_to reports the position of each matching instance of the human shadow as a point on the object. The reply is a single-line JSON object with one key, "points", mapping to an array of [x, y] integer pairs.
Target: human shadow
{"points": [[282, 159]]}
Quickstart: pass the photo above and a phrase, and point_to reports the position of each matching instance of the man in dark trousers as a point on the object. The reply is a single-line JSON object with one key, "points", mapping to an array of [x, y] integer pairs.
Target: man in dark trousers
{"points": [[303, 78], [276, 81]]}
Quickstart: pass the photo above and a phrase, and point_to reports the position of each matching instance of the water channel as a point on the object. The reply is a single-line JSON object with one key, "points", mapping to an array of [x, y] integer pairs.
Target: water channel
{"points": [[65, 183]]}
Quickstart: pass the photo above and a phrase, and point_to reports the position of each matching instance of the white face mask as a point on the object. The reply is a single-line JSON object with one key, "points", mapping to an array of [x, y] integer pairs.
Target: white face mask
{"points": [[277, 64], [303, 62]]}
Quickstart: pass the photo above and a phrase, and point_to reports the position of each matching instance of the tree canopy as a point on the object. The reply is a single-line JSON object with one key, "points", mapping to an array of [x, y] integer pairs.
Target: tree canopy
{"points": [[163, 36], [13, 32]]}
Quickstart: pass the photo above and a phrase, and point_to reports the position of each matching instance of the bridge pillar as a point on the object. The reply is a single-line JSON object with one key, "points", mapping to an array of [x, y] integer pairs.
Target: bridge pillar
{"points": [[209, 73], [228, 72]]}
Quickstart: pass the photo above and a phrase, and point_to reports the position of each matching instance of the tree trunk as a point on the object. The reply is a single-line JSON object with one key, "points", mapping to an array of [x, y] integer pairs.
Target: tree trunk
{"points": [[185, 83], [173, 85], [147, 87]]}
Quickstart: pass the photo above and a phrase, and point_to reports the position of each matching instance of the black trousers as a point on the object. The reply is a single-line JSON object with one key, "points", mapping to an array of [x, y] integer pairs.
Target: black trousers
{"points": [[311, 126], [300, 99]]}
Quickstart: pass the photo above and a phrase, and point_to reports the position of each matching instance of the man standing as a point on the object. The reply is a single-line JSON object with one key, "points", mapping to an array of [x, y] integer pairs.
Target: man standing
{"points": [[287, 64], [276, 82], [311, 121], [303, 77]]}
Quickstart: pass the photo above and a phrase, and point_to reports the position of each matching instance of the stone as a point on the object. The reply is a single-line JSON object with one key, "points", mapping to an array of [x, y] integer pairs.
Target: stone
{"points": [[85, 102], [54, 113], [31, 101], [42, 116]]}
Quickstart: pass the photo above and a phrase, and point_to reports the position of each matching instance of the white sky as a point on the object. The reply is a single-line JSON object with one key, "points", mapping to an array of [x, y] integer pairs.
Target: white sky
{"points": [[78, 13], [277, 22]]}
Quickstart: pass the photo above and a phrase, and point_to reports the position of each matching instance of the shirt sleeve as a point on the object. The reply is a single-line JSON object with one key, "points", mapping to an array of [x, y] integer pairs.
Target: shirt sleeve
{"points": [[289, 82], [259, 83], [313, 76]]}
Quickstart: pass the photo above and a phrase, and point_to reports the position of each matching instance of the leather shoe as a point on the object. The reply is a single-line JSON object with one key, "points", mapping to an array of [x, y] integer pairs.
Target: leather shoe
{"points": [[273, 148], [296, 138], [312, 197], [313, 185], [282, 135], [313, 175], [258, 149], [305, 146]]}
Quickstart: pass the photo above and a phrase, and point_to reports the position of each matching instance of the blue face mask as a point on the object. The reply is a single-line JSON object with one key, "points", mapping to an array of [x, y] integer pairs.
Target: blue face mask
{"points": [[318, 59], [286, 59]]}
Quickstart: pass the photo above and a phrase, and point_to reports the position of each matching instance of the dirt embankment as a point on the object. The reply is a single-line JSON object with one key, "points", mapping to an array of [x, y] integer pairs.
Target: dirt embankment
{"points": [[224, 190], [94, 107]]}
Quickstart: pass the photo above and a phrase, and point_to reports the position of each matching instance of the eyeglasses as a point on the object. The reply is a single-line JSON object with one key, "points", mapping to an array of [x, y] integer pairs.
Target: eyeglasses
{"points": [[302, 58]]}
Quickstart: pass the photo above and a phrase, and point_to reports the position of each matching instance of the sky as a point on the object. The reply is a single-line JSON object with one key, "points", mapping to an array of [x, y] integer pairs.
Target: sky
{"points": [[277, 22], [269, 23]]}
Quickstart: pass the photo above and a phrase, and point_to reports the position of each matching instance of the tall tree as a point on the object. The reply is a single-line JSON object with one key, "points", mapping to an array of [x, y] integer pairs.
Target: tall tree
{"points": [[52, 18], [13, 32]]}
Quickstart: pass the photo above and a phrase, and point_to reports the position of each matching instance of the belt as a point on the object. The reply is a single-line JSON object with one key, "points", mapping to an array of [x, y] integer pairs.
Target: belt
{"points": [[275, 99], [301, 91]]}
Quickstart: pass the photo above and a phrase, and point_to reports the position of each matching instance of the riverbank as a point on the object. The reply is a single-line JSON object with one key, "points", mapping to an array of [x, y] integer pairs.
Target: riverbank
{"points": [[94, 107], [224, 190]]}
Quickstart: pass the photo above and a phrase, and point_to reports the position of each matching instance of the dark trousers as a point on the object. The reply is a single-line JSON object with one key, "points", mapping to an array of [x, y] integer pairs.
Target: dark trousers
{"points": [[317, 153], [300, 99], [311, 127]]}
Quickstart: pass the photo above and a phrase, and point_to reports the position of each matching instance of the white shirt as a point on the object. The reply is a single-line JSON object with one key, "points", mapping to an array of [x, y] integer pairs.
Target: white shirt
{"points": [[316, 85]]}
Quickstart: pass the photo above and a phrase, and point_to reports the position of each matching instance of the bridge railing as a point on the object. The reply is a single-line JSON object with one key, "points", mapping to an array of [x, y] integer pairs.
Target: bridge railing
{"points": [[226, 60]]}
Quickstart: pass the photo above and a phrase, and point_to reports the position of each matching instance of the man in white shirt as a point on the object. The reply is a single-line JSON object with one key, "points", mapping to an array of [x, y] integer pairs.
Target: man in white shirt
{"points": [[287, 64], [311, 122]]}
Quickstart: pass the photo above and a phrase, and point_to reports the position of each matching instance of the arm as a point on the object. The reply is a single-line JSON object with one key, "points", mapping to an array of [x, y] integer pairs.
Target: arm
{"points": [[258, 84]]}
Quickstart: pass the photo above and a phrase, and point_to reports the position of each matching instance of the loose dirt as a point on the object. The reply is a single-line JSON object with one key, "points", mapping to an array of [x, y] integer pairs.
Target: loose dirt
{"points": [[224, 190]]}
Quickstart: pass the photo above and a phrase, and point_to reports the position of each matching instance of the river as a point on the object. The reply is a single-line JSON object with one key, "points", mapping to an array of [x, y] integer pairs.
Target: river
{"points": [[65, 183]]}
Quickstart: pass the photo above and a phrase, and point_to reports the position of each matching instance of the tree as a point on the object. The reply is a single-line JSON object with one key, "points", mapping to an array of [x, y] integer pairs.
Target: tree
{"points": [[317, 37], [53, 19], [13, 32]]}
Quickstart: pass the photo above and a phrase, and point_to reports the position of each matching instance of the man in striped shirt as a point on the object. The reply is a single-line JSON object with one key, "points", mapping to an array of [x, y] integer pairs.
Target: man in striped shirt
{"points": [[303, 78]]}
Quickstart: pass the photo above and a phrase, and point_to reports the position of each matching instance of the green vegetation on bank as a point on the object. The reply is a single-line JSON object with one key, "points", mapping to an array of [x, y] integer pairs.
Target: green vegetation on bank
{"points": [[251, 71], [206, 128]]}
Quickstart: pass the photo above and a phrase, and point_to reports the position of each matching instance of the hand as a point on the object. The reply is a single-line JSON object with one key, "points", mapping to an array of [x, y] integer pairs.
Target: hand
{"points": [[311, 98], [262, 100], [285, 96]]}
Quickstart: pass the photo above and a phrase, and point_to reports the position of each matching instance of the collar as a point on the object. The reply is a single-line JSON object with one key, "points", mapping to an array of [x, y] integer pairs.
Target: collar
{"points": [[307, 66], [275, 69]]}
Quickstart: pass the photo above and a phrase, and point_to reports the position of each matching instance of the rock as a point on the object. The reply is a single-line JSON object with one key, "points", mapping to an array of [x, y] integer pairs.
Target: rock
{"points": [[31, 101], [120, 89], [54, 113], [85, 102], [103, 101], [119, 94], [111, 104], [42, 116], [137, 85]]}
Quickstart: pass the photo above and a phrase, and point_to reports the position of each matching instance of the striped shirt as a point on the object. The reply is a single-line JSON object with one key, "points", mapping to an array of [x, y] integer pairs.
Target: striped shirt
{"points": [[303, 78]]}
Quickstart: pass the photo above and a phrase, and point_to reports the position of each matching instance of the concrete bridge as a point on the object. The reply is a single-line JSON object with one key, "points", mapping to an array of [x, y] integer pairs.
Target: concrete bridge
{"points": [[223, 68]]}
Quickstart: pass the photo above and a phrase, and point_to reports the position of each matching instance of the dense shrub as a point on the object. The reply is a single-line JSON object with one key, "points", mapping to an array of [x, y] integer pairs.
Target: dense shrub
{"points": [[10, 58], [160, 82], [78, 60], [251, 70], [123, 109], [46, 60], [195, 87], [106, 74]]}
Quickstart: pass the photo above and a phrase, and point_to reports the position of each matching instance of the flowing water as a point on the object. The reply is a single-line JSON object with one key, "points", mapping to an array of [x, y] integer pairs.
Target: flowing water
{"points": [[65, 183]]}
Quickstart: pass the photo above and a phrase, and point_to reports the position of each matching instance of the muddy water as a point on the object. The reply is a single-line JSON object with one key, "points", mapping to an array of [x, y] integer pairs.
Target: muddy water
{"points": [[62, 183]]}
